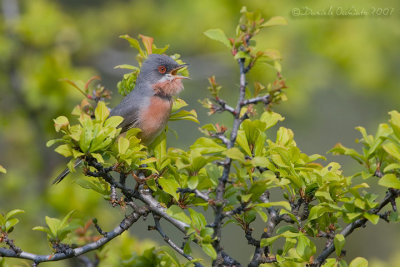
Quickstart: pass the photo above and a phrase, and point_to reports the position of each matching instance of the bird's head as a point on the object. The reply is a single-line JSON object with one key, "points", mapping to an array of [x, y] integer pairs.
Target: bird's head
{"points": [[161, 72]]}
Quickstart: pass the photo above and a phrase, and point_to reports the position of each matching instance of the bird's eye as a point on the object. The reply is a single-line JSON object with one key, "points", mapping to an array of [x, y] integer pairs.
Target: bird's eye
{"points": [[162, 69]]}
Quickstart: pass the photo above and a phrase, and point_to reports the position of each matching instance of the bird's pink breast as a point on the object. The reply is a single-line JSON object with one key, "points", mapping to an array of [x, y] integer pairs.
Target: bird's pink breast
{"points": [[154, 118]]}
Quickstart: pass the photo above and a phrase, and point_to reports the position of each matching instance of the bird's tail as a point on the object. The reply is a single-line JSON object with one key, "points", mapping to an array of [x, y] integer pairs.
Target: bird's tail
{"points": [[66, 172]]}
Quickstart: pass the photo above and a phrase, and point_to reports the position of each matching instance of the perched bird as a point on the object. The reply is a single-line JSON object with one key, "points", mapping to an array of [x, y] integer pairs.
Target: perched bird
{"points": [[148, 106]]}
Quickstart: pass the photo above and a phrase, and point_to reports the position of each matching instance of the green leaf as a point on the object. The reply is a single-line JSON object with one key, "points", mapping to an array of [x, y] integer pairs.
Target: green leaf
{"points": [[66, 218], [324, 195], [64, 150], [260, 162], [339, 242], [184, 115], [389, 180], [245, 198], [275, 21], [373, 218], [392, 149], [271, 118], [10, 223], [330, 263], [113, 121], [2, 169], [395, 122], [268, 241], [206, 145], [176, 212], [242, 142], [339, 149], [126, 66], [193, 181], [101, 112], [218, 35], [198, 219], [42, 229], [178, 104], [170, 186], [262, 214], [61, 123], [12, 213], [133, 42], [359, 262], [209, 250], [98, 157], [235, 153], [53, 224], [305, 248], [391, 167], [317, 211], [167, 251], [123, 145]]}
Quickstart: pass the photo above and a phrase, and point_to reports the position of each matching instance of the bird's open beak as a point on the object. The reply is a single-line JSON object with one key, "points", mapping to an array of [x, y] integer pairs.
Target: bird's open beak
{"points": [[175, 71]]}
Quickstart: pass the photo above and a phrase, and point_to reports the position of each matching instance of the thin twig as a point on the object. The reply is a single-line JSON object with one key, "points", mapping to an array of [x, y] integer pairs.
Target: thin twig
{"points": [[169, 241], [197, 193], [265, 99], [124, 225], [219, 202]]}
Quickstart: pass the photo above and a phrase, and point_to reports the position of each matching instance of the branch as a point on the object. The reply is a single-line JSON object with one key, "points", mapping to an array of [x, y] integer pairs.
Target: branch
{"points": [[197, 193], [155, 207], [169, 241], [224, 106], [219, 203], [266, 99], [391, 195], [124, 225], [261, 255], [221, 137]]}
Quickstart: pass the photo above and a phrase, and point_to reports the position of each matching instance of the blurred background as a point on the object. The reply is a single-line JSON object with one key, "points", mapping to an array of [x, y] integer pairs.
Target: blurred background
{"points": [[342, 72]]}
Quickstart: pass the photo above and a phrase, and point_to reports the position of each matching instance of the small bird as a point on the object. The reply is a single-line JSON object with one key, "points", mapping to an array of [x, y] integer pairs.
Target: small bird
{"points": [[149, 104]]}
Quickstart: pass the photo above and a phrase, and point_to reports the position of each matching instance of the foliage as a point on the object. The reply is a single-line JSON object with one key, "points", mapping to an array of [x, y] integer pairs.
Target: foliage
{"points": [[57, 230], [7, 222], [230, 171]]}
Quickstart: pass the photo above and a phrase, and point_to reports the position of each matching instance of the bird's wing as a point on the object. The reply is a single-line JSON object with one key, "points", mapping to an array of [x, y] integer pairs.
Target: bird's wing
{"points": [[129, 112]]}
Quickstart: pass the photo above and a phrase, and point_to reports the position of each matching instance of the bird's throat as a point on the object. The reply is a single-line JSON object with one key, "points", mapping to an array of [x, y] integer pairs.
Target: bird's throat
{"points": [[168, 89]]}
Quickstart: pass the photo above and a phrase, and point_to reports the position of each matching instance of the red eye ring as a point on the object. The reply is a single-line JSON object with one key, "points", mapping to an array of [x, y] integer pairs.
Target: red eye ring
{"points": [[162, 69]]}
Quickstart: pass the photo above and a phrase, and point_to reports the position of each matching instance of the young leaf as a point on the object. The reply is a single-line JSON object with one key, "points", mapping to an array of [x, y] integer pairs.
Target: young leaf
{"points": [[275, 21], [170, 186], [218, 35], [101, 112], [305, 248], [373, 218], [64, 150], [359, 262], [389, 180], [339, 242], [61, 123], [12, 213], [198, 219], [209, 250], [392, 149], [113, 121], [177, 213], [2, 169]]}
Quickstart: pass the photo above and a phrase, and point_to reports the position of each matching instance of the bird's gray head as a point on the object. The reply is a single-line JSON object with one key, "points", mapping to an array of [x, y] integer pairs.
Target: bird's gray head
{"points": [[160, 68]]}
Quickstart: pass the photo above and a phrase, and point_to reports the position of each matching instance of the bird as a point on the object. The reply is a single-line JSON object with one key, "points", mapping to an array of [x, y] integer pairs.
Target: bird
{"points": [[148, 105]]}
